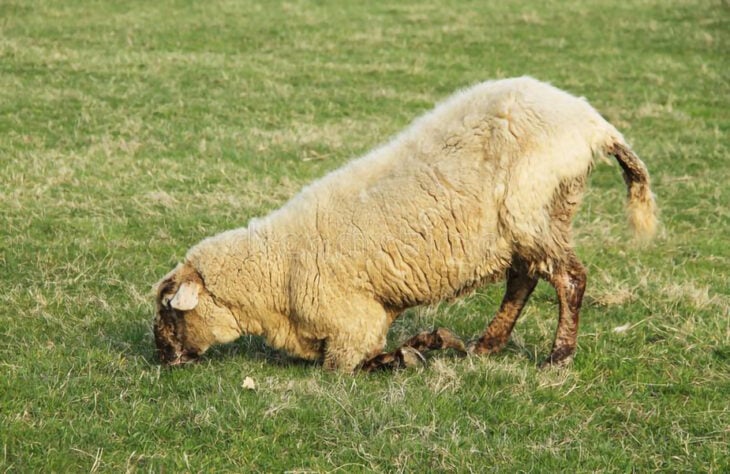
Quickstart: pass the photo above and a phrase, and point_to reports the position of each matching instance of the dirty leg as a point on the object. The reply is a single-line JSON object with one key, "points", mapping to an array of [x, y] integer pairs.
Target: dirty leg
{"points": [[440, 338], [401, 358], [409, 354], [519, 288], [570, 284]]}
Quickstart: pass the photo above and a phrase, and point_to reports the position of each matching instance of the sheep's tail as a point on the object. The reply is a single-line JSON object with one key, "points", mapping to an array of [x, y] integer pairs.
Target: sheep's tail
{"points": [[641, 206]]}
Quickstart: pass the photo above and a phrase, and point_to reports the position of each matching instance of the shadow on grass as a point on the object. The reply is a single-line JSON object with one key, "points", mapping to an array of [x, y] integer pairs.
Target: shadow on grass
{"points": [[133, 339], [141, 345], [254, 348]]}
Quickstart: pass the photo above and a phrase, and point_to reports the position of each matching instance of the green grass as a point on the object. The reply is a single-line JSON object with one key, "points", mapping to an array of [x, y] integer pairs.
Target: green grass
{"points": [[131, 130]]}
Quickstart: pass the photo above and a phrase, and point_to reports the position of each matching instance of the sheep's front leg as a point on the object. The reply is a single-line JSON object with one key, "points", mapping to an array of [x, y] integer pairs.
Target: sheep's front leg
{"points": [[440, 338], [401, 358], [346, 351], [519, 288], [356, 328], [570, 284], [409, 354]]}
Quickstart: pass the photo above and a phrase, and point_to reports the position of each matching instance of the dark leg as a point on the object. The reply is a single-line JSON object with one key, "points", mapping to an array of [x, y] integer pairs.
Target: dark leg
{"points": [[401, 358], [440, 338], [409, 354], [519, 289], [570, 284]]}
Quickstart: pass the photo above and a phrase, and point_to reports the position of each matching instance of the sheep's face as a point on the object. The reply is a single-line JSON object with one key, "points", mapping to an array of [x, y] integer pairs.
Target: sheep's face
{"points": [[189, 320]]}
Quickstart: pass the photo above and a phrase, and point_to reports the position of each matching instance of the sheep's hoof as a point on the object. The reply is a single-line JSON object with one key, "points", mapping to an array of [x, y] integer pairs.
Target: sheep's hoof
{"points": [[484, 346], [559, 357], [449, 340], [408, 357]]}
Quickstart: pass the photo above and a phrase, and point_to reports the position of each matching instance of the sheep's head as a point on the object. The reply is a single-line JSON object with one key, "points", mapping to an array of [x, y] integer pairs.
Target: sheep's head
{"points": [[189, 319]]}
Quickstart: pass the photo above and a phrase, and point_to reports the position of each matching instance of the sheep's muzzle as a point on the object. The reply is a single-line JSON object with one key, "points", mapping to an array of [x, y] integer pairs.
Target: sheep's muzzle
{"points": [[170, 349], [180, 359], [169, 354]]}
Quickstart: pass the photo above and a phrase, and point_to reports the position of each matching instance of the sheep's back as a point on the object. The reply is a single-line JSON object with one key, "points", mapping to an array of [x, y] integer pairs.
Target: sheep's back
{"points": [[438, 208]]}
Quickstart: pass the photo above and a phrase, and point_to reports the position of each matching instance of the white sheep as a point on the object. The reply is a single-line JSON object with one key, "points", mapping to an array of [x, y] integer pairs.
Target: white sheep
{"points": [[481, 188]]}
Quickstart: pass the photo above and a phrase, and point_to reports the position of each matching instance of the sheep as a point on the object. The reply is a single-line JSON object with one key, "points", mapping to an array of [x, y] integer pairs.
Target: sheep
{"points": [[480, 189]]}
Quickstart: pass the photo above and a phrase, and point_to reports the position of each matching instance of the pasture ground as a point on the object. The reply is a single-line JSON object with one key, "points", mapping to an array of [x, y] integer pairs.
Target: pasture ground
{"points": [[131, 130]]}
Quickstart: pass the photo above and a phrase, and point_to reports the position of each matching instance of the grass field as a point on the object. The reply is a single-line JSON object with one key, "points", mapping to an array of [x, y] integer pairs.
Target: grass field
{"points": [[131, 130]]}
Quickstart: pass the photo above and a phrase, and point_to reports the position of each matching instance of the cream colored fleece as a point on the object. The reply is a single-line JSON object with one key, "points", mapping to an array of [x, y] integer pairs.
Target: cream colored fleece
{"points": [[436, 212]]}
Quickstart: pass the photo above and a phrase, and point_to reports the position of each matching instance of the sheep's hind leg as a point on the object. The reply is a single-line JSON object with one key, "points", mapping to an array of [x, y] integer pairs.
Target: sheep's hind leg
{"points": [[569, 283], [519, 288], [410, 353]]}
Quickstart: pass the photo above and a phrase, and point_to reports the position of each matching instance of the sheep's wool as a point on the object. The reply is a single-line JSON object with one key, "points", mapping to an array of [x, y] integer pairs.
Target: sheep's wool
{"points": [[492, 173]]}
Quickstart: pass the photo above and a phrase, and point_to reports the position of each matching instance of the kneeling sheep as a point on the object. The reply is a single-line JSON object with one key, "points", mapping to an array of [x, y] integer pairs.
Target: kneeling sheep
{"points": [[481, 188]]}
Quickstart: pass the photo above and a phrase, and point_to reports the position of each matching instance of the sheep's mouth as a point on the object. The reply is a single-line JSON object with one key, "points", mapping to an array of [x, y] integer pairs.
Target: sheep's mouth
{"points": [[182, 359], [169, 351]]}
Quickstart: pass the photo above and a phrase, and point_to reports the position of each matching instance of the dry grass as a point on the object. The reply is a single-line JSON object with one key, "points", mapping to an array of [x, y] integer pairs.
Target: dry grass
{"points": [[130, 131]]}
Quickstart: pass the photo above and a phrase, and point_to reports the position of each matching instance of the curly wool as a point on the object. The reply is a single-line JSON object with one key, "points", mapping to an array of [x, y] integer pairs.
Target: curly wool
{"points": [[494, 172]]}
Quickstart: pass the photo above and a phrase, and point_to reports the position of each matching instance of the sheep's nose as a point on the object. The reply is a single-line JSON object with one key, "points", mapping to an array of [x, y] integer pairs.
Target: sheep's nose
{"points": [[167, 355], [183, 358], [166, 352]]}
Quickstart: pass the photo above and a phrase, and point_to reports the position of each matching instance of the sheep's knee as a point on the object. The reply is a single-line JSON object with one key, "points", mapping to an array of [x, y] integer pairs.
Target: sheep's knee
{"points": [[340, 362], [356, 330], [342, 354]]}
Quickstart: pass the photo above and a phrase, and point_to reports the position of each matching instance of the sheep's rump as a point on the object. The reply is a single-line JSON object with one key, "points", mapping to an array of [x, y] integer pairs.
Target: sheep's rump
{"points": [[438, 210]]}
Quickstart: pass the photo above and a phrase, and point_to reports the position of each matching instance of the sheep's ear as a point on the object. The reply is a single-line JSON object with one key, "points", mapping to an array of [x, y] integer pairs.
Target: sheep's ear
{"points": [[186, 297]]}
